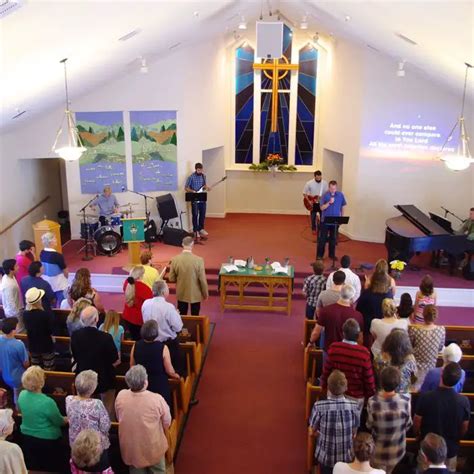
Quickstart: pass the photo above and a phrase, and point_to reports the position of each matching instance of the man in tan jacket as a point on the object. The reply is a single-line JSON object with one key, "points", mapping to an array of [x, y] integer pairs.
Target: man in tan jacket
{"points": [[187, 270]]}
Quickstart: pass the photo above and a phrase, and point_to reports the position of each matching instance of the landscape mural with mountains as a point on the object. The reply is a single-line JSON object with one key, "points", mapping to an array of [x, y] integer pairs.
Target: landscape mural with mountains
{"points": [[154, 141], [104, 161]]}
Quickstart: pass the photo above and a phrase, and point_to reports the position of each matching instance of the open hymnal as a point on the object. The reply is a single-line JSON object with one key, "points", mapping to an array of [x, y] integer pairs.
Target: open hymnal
{"points": [[278, 268], [240, 263], [230, 268]]}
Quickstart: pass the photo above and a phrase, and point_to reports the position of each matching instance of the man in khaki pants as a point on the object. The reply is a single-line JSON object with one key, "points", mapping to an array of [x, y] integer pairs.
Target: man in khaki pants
{"points": [[187, 270]]}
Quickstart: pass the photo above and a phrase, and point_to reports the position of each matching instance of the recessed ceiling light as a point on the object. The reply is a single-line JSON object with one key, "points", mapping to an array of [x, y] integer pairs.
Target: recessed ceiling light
{"points": [[196, 13], [144, 66], [242, 24], [347, 18], [129, 35], [304, 23]]}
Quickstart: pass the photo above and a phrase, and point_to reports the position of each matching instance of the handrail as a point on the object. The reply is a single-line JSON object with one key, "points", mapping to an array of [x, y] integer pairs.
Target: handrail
{"points": [[29, 211]]}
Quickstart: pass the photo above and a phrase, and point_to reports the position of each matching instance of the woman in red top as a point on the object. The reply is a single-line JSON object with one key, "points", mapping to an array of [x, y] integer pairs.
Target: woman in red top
{"points": [[136, 292], [24, 257]]}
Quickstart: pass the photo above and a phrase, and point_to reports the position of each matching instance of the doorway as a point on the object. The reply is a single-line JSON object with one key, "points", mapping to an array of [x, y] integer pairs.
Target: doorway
{"points": [[333, 166]]}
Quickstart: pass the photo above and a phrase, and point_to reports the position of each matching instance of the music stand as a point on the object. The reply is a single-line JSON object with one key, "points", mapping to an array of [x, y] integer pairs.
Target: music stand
{"points": [[196, 197], [337, 221]]}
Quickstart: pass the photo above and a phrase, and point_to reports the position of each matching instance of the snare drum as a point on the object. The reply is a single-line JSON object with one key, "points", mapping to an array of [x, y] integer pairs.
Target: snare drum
{"points": [[108, 241], [88, 228]]}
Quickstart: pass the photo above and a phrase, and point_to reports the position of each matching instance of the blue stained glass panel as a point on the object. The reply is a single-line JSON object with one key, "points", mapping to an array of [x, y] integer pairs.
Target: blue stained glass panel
{"points": [[306, 105], [244, 89]]}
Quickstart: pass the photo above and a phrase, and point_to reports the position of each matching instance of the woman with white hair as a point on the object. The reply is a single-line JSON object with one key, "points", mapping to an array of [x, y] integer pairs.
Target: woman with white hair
{"points": [[143, 418], [451, 353], [11, 456], [84, 412], [136, 292], [55, 268]]}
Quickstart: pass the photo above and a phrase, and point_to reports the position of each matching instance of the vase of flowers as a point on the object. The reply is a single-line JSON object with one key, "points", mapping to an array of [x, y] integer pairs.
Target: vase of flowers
{"points": [[397, 267], [273, 161]]}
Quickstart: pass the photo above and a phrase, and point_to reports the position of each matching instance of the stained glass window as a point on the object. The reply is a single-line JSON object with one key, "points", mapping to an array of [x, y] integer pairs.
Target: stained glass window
{"points": [[244, 89], [305, 111], [276, 142]]}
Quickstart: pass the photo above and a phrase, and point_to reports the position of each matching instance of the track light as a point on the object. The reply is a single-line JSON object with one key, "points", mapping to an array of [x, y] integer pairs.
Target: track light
{"points": [[316, 37], [144, 66], [242, 24], [304, 23], [401, 69]]}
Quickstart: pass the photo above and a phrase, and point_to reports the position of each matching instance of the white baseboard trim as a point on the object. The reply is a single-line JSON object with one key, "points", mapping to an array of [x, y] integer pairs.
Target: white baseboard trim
{"points": [[267, 211], [219, 215], [454, 297]]}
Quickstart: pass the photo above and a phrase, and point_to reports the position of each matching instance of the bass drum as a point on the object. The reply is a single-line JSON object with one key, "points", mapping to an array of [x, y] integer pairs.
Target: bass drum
{"points": [[108, 241]]}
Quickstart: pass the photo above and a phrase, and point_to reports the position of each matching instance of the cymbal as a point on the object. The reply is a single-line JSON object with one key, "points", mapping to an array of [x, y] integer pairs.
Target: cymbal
{"points": [[88, 215], [130, 204]]}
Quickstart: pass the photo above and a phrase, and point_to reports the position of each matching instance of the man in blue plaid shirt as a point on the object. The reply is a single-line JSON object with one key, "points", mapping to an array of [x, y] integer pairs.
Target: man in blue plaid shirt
{"points": [[334, 422], [312, 287], [195, 183]]}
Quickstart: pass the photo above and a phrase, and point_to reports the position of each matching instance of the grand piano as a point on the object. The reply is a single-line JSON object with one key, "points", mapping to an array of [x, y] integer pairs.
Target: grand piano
{"points": [[414, 232]]}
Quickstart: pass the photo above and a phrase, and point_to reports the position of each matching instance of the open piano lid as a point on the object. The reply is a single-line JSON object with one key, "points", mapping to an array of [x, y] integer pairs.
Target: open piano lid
{"points": [[421, 220]]}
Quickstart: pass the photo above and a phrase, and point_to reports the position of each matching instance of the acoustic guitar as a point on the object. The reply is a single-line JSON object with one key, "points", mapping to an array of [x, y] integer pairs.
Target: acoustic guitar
{"points": [[308, 201]]}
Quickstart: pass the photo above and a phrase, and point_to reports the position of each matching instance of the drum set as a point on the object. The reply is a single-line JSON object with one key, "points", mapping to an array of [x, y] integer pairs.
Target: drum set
{"points": [[103, 234]]}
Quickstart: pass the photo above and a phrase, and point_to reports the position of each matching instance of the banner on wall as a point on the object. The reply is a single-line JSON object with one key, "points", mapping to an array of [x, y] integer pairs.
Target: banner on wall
{"points": [[154, 150], [103, 164]]}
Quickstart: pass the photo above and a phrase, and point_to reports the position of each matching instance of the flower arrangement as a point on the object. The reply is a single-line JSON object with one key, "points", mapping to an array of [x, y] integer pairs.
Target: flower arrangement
{"points": [[397, 267], [273, 162]]}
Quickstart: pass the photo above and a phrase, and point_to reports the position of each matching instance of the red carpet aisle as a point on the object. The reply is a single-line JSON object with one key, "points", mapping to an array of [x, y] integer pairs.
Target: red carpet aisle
{"points": [[250, 417]]}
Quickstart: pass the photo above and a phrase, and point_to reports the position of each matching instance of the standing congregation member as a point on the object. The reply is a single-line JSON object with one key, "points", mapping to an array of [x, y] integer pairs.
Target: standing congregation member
{"points": [[405, 307], [169, 323], [84, 412], [87, 454], [334, 421], [332, 205], [187, 271], [427, 341], [95, 350], [333, 317], [155, 357], [197, 182], [312, 192], [24, 257], [331, 295], [351, 278], [143, 418], [39, 325], [312, 287], [425, 296], [55, 268], [11, 299], [381, 273], [433, 451], [389, 418], [451, 353], [73, 321], [364, 448], [81, 287], [151, 273], [11, 455], [445, 413], [112, 325], [136, 292], [13, 357], [354, 361], [381, 328], [397, 352], [107, 204], [41, 424], [35, 280]]}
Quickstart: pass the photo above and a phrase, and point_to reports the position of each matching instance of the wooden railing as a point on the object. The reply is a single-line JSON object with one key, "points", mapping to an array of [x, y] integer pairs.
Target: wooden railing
{"points": [[29, 211]]}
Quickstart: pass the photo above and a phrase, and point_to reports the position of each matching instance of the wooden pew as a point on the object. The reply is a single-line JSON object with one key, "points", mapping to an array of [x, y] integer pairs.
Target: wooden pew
{"points": [[462, 335], [313, 365]]}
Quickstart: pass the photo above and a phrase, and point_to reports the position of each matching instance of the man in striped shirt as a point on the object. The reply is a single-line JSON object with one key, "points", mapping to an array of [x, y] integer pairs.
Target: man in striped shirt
{"points": [[354, 361], [334, 422]]}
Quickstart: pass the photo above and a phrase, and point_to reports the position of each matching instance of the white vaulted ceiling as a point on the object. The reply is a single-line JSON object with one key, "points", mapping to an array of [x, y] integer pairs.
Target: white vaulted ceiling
{"points": [[35, 37]]}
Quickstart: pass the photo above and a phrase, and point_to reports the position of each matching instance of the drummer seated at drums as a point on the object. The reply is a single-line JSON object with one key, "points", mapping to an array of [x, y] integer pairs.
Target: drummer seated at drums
{"points": [[107, 204]]}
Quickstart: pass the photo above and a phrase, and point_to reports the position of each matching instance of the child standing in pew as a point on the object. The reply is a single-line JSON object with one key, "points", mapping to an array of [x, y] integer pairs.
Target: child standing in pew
{"points": [[112, 325], [312, 287]]}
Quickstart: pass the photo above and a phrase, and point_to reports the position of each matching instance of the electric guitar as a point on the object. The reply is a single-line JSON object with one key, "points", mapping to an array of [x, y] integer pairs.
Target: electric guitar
{"points": [[308, 201], [215, 184]]}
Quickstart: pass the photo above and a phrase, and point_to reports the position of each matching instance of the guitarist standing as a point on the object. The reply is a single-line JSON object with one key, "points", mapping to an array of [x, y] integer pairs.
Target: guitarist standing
{"points": [[196, 182], [312, 192]]}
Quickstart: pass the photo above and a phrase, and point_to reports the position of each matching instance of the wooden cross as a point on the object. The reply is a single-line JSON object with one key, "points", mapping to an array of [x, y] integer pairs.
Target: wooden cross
{"points": [[273, 68]]}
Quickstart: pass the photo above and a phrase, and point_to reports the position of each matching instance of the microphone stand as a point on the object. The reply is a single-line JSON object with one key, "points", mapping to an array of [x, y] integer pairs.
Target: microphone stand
{"points": [[147, 213], [446, 212], [87, 236]]}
